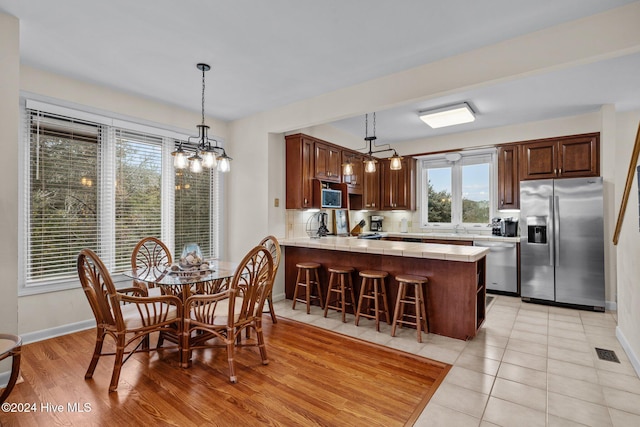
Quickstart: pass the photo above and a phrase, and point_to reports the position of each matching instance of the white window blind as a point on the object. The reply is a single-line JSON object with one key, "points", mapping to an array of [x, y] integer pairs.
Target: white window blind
{"points": [[196, 211], [63, 197], [137, 187]]}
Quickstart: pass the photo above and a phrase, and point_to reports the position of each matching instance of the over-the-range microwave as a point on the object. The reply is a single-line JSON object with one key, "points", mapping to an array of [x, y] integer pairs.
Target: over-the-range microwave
{"points": [[331, 198]]}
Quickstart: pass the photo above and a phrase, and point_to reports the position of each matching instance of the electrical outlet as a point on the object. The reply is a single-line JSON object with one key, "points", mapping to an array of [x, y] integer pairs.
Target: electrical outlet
{"points": [[276, 202]]}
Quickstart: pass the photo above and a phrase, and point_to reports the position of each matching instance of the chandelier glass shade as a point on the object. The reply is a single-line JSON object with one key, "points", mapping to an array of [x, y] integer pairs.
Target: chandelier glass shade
{"points": [[206, 151]]}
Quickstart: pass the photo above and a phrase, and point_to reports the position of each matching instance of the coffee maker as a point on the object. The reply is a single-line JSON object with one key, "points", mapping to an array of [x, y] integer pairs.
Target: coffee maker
{"points": [[375, 222], [509, 227]]}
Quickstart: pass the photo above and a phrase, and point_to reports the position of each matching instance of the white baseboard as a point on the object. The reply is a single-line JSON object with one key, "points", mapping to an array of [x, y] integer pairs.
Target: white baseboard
{"points": [[611, 306], [633, 358], [45, 334]]}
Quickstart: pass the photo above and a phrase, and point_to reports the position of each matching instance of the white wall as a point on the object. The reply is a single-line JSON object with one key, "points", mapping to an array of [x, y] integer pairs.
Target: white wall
{"points": [[9, 125], [628, 248]]}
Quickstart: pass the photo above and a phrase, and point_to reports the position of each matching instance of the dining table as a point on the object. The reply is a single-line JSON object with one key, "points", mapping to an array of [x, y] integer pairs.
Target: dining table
{"points": [[173, 280]]}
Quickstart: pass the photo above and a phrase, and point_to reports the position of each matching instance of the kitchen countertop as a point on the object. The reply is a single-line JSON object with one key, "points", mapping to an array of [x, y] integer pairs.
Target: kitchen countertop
{"points": [[387, 247]]}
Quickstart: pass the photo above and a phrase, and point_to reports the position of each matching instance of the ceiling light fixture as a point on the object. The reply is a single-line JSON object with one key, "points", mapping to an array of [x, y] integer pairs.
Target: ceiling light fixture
{"points": [[370, 161], [212, 154], [448, 116]]}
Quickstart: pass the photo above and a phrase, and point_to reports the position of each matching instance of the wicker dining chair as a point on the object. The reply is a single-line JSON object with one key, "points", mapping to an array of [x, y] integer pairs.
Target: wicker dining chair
{"points": [[150, 253], [271, 243], [127, 319], [226, 314]]}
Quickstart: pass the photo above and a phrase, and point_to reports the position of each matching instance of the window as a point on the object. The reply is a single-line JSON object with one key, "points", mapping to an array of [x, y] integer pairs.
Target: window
{"points": [[458, 192], [91, 182]]}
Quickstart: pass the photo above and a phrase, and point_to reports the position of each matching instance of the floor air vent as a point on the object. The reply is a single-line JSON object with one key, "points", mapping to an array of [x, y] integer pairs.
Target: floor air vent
{"points": [[608, 355]]}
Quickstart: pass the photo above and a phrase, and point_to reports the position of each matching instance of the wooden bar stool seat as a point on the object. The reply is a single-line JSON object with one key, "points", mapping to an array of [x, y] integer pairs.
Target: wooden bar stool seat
{"points": [[373, 289], [418, 316], [340, 283], [305, 270]]}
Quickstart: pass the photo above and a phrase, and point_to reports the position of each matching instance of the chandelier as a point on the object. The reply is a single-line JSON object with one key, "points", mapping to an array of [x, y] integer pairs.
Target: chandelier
{"points": [[206, 152], [395, 161]]}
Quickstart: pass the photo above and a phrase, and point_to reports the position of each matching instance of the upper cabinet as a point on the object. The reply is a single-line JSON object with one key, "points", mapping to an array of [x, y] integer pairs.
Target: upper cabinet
{"points": [[397, 188], [300, 171], [567, 157], [371, 190], [328, 161], [508, 178]]}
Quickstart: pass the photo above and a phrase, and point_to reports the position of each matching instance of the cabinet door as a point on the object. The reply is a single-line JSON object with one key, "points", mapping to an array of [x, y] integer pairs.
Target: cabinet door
{"points": [[371, 190], [327, 162], [355, 184], [538, 160], [397, 185], [299, 172], [508, 178], [578, 157]]}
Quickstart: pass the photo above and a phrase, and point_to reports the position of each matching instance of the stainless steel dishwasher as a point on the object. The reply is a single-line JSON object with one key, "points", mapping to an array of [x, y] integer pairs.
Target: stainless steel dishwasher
{"points": [[502, 266]]}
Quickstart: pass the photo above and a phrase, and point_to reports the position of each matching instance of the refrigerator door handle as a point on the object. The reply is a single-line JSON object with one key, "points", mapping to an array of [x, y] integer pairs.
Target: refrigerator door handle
{"points": [[551, 225], [556, 226]]}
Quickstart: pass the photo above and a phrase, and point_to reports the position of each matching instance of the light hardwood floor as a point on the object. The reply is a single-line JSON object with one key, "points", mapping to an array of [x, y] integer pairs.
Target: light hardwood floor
{"points": [[315, 377]]}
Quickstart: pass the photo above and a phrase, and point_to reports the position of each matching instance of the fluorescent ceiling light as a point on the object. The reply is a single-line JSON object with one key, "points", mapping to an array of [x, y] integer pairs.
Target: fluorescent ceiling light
{"points": [[448, 116]]}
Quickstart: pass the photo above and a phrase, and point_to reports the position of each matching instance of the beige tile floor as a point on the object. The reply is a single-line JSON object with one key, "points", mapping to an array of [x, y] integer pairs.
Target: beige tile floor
{"points": [[529, 365]]}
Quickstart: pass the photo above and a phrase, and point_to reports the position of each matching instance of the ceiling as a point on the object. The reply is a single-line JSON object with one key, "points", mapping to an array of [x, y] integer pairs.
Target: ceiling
{"points": [[267, 54]]}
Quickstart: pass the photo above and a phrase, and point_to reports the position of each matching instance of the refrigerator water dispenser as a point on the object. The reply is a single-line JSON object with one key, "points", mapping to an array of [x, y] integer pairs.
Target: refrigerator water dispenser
{"points": [[537, 229]]}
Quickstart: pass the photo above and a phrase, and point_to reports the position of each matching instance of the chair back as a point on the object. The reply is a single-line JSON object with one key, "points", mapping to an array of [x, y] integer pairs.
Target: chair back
{"points": [[150, 252], [252, 281], [99, 289], [273, 246]]}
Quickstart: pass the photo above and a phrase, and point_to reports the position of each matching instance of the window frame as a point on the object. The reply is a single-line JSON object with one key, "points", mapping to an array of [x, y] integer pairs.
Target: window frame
{"points": [[468, 157], [106, 226]]}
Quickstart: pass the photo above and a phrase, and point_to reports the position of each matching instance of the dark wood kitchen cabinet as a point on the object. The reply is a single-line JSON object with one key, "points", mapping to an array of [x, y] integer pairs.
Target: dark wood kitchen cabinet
{"points": [[397, 188], [371, 190], [355, 182], [565, 157], [508, 177], [328, 161], [300, 171]]}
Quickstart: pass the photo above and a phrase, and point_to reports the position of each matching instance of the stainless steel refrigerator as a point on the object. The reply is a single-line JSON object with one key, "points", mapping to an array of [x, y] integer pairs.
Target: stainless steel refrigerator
{"points": [[561, 241]]}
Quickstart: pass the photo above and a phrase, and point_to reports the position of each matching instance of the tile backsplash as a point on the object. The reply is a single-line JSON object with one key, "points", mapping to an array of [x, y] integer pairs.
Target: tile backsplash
{"points": [[297, 221]]}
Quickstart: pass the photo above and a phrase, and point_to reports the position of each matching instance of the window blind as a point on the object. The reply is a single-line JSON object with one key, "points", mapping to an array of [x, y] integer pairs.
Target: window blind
{"points": [[63, 196], [196, 211], [137, 192]]}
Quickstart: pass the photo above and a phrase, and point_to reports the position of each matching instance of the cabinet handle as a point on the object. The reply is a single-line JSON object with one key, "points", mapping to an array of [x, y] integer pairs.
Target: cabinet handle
{"points": [[555, 171], [560, 172], [305, 201]]}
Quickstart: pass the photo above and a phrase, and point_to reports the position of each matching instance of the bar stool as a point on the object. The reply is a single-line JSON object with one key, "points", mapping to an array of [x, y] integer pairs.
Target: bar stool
{"points": [[373, 289], [419, 320], [338, 285], [306, 268]]}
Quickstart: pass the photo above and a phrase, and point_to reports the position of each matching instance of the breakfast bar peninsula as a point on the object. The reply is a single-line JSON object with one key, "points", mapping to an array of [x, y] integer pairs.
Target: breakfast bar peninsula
{"points": [[456, 290]]}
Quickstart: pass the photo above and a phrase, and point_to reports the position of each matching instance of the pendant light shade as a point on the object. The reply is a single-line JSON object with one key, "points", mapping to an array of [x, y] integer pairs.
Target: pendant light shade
{"points": [[370, 165], [395, 162], [180, 160], [347, 168]]}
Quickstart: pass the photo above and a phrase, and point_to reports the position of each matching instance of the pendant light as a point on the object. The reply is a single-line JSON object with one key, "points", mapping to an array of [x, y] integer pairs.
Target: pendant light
{"points": [[370, 162], [212, 155], [395, 161]]}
